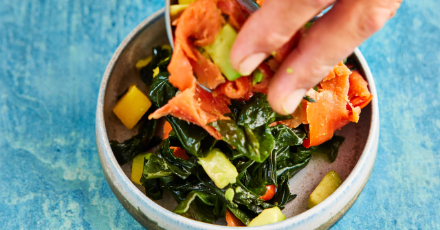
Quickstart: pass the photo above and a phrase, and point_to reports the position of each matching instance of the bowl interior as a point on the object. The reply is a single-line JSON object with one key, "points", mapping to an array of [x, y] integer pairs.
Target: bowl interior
{"points": [[125, 74]]}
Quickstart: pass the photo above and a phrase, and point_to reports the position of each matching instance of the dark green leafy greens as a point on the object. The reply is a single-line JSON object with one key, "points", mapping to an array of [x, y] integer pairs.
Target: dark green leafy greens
{"points": [[309, 99], [144, 140], [330, 148], [264, 154], [160, 58], [250, 134]]}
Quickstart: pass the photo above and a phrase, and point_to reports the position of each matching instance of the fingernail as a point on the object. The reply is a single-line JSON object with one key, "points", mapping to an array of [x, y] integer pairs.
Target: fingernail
{"points": [[250, 63], [292, 100]]}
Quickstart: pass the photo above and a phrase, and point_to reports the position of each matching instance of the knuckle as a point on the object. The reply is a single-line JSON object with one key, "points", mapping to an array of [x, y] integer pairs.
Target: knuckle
{"points": [[370, 23], [375, 15]]}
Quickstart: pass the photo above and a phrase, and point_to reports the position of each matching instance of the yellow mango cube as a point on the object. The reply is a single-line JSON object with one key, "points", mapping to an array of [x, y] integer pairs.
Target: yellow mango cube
{"points": [[131, 107], [185, 1], [143, 62], [155, 72], [325, 188], [137, 168]]}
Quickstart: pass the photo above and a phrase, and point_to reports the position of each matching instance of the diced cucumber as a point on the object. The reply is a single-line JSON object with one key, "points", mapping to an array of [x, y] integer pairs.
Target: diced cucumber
{"points": [[221, 48], [325, 188], [219, 168], [268, 216]]}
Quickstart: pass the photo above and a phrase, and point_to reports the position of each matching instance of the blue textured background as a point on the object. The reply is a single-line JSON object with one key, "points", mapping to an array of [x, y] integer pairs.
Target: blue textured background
{"points": [[53, 54]]}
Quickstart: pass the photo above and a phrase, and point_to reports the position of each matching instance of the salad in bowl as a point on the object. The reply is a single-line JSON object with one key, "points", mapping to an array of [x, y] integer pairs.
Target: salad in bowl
{"points": [[208, 136]]}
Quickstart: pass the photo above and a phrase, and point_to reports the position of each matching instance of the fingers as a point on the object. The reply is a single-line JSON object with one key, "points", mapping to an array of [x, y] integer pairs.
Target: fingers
{"points": [[331, 39], [269, 28]]}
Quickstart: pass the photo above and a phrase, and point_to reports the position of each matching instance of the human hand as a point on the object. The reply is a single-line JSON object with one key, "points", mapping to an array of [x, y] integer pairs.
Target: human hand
{"points": [[332, 38]]}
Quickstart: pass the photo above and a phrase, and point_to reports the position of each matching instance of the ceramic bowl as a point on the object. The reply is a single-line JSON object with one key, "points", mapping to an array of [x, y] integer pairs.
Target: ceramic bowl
{"points": [[354, 163]]}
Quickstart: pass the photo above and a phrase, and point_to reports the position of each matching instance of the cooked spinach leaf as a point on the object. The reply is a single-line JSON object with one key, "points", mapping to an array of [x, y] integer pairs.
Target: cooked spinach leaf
{"points": [[161, 90], [283, 195], [236, 106], [158, 60], [207, 199], [144, 140], [286, 136], [255, 144], [257, 112], [309, 99], [193, 138], [329, 148], [291, 162]]}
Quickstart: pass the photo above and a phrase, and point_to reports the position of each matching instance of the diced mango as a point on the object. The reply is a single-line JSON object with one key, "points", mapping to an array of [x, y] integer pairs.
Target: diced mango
{"points": [[143, 62], [131, 107], [137, 167], [219, 168], [325, 188], [185, 1], [155, 71], [177, 10]]}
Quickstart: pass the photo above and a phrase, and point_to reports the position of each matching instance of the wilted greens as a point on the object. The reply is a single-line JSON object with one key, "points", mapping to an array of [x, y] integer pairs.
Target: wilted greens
{"points": [[263, 153]]}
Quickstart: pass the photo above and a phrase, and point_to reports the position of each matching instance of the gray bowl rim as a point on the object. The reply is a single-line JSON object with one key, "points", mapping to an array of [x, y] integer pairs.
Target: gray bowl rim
{"points": [[367, 155]]}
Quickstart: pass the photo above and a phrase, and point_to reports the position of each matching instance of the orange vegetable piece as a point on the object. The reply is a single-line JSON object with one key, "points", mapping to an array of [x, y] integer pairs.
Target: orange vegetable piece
{"points": [[232, 220], [166, 129], [180, 153], [270, 192]]}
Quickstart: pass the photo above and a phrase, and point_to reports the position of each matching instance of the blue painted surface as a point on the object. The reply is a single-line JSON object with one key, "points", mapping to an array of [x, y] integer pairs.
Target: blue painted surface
{"points": [[53, 54]]}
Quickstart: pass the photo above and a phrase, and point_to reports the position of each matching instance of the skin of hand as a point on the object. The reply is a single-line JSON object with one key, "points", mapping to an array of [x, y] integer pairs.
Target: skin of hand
{"points": [[332, 38]]}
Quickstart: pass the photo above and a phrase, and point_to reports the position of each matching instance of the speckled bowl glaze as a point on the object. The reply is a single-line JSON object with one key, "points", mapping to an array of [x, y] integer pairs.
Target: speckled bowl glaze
{"points": [[354, 163]]}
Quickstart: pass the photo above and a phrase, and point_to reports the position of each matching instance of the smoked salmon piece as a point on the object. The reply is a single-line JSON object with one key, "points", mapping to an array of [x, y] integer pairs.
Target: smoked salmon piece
{"points": [[329, 112], [359, 95], [298, 117], [181, 71], [236, 15], [340, 97], [216, 106], [198, 25], [208, 74], [234, 89], [185, 107]]}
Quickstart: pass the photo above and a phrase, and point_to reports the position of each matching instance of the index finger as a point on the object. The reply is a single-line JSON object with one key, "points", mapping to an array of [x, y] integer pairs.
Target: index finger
{"points": [[269, 28]]}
